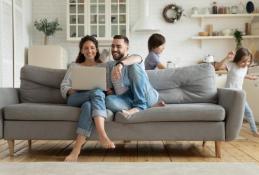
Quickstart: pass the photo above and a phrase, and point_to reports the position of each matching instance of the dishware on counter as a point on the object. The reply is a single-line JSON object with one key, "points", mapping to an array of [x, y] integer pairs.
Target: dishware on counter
{"points": [[203, 34], [227, 32], [248, 28], [210, 29], [195, 11], [234, 9], [208, 59], [214, 8]]}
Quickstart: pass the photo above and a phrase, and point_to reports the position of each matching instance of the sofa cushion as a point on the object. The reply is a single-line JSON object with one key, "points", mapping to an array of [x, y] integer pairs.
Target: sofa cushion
{"points": [[204, 112], [44, 112], [192, 84], [41, 85]]}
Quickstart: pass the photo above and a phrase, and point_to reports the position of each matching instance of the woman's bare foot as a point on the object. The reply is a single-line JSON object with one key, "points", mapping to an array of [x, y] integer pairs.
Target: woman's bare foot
{"points": [[159, 104], [255, 134], [107, 143], [73, 156], [130, 111]]}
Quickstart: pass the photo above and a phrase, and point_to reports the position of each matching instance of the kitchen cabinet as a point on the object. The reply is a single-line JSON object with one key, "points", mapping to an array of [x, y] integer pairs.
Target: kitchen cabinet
{"points": [[100, 18]]}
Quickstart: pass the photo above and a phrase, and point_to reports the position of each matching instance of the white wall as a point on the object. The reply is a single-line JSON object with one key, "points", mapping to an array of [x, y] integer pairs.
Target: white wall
{"points": [[179, 47]]}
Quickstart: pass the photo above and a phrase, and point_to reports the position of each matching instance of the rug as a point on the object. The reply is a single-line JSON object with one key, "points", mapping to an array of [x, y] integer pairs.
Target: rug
{"points": [[150, 168]]}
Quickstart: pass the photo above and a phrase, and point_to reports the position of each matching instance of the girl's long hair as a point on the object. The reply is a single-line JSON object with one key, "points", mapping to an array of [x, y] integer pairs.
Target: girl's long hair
{"points": [[81, 58], [241, 53]]}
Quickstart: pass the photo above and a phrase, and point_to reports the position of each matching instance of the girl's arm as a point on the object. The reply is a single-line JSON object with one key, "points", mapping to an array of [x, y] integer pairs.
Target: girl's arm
{"points": [[251, 77], [223, 63]]}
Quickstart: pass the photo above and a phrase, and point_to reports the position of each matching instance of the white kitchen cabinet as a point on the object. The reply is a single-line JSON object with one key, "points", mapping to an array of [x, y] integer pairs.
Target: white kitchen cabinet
{"points": [[100, 18]]}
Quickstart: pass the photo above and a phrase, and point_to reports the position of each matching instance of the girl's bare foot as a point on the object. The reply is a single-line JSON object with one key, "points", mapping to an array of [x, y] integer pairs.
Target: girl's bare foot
{"points": [[160, 104], [130, 111], [107, 143], [255, 134]]}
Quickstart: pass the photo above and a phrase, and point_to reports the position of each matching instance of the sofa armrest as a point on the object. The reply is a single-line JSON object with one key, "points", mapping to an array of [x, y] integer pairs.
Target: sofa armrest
{"points": [[234, 103], [7, 96]]}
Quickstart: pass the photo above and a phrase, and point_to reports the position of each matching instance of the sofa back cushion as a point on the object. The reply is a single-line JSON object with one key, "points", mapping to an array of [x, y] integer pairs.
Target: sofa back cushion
{"points": [[192, 84], [41, 85]]}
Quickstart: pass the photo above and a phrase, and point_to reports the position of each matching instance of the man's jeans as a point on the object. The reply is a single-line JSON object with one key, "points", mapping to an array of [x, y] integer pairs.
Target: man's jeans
{"points": [[250, 117], [140, 95], [92, 104]]}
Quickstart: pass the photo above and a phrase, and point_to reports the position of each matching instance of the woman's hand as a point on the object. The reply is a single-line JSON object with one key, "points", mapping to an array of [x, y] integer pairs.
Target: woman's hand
{"points": [[71, 91]]}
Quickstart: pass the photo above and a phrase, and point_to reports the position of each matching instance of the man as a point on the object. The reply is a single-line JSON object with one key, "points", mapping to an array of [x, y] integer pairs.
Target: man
{"points": [[128, 81]]}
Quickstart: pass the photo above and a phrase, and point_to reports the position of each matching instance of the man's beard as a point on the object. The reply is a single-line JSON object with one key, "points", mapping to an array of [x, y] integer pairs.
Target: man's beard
{"points": [[118, 56]]}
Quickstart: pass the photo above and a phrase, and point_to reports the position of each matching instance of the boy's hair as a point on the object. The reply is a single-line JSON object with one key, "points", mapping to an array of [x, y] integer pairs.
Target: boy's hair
{"points": [[241, 53], [155, 40], [126, 40]]}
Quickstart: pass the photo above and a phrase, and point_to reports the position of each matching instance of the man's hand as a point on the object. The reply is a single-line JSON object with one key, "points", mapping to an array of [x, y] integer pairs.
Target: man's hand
{"points": [[71, 91], [116, 72], [109, 92]]}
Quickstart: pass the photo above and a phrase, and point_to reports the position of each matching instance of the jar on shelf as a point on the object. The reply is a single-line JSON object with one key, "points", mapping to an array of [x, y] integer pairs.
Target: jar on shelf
{"points": [[214, 8]]}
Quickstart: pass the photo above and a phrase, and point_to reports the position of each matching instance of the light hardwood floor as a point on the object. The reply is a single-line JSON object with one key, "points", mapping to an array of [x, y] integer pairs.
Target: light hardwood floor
{"points": [[241, 150]]}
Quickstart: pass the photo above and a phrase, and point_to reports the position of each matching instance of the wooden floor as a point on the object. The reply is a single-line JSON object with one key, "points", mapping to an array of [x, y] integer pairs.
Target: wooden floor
{"points": [[245, 149]]}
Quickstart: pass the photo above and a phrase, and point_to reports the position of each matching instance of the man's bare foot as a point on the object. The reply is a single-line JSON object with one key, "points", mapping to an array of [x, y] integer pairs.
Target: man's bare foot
{"points": [[255, 134], [130, 111], [107, 143], [159, 104], [73, 156]]}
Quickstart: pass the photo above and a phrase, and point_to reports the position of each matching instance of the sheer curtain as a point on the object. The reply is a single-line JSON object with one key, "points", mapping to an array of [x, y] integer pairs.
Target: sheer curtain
{"points": [[6, 44]]}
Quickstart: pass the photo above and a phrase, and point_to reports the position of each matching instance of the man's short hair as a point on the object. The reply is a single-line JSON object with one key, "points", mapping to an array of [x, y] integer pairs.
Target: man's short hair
{"points": [[126, 40]]}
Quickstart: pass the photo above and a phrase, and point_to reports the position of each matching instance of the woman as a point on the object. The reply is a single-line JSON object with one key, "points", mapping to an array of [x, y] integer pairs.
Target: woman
{"points": [[92, 102]]}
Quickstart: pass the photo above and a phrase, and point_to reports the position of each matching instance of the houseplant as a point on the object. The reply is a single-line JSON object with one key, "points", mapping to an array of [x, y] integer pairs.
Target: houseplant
{"points": [[238, 35], [47, 27]]}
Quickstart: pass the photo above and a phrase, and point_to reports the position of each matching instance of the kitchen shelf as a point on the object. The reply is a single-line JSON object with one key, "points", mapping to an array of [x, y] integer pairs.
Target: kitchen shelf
{"points": [[222, 37], [225, 15]]}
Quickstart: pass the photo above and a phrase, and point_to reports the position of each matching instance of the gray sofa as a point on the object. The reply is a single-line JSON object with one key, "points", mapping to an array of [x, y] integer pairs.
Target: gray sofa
{"points": [[195, 110]]}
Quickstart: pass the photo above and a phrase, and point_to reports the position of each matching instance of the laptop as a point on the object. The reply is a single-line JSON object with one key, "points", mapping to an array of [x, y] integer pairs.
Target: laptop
{"points": [[88, 78]]}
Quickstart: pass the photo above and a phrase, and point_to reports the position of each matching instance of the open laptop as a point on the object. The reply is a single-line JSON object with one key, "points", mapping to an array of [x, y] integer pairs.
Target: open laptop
{"points": [[88, 78]]}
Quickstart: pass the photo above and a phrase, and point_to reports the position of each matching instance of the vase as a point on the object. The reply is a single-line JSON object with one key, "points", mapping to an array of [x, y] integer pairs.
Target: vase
{"points": [[250, 7]]}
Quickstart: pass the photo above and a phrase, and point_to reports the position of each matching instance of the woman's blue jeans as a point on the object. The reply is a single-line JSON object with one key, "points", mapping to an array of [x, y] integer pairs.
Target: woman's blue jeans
{"points": [[92, 104]]}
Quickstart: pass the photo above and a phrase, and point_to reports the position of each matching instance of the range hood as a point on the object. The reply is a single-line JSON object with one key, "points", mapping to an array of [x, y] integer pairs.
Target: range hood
{"points": [[144, 23]]}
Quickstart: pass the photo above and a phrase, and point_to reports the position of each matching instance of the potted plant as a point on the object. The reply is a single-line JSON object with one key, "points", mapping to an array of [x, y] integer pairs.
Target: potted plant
{"points": [[47, 27], [238, 35]]}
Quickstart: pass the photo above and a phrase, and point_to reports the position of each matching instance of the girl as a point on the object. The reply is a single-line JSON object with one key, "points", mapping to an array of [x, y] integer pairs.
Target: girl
{"points": [[92, 102], [156, 45], [237, 66]]}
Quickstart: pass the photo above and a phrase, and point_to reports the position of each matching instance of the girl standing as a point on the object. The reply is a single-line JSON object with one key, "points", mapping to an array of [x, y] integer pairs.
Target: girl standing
{"points": [[237, 66]]}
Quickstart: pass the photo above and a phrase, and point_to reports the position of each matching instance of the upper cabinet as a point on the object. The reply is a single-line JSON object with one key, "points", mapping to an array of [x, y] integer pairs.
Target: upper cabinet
{"points": [[101, 18]]}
